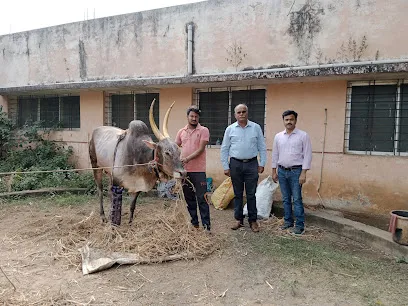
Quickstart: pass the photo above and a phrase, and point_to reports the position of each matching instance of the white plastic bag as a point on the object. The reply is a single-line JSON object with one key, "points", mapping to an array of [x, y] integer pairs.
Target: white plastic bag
{"points": [[264, 198]]}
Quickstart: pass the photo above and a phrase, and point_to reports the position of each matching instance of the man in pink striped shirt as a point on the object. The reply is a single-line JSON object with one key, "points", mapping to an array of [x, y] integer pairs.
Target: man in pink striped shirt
{"points": [[291, 158]]}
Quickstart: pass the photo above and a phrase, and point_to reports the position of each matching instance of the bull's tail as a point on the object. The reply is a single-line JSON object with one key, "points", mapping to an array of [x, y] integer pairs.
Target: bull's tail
{"points": [[92, 154]]}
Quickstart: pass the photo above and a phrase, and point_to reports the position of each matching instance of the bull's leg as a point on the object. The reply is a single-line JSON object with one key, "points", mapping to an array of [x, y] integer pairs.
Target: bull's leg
{"points": [[132, 206], [98, 174]]}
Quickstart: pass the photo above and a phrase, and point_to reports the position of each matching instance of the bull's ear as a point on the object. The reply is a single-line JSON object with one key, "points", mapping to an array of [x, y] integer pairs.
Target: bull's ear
{"points": [[152, 145]]}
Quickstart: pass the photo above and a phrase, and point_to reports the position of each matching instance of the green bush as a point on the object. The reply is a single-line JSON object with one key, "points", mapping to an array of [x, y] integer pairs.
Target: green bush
{"points": [[32, 151], [6, 127]]}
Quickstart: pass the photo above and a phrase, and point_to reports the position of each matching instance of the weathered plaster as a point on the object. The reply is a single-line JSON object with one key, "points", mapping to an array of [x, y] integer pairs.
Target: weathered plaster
{"points": [[352, 70], [228, 36]]}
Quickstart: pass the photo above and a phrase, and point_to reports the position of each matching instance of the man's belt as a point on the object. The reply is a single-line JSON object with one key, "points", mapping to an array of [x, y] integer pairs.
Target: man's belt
{"points": [[244, 160], [290, 168]]}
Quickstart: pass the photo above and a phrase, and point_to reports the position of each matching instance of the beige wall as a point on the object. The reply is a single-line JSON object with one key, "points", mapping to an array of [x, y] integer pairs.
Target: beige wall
{"points": [[229, 36], [349, 182]]}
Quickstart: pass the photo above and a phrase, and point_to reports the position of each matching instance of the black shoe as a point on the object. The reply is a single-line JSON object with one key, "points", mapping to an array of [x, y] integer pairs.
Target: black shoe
{"points": [[298, 231], [285, 227]]}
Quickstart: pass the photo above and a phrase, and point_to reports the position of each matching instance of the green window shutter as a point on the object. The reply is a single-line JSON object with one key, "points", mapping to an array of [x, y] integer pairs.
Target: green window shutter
{"points": [[49, 112], [372, 118], [143, 102], [255, 100], [70, 117], [27, 111], [122, 110], [403, 124], [214, 114]]}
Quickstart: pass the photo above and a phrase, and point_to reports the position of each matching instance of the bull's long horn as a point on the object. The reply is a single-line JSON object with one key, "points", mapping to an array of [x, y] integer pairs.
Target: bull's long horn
{"points": [[153, 125], [166, 120]]}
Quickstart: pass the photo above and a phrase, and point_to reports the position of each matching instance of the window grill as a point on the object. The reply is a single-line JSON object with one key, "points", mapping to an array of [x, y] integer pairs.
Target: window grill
{"points": [[123, 108], [217, 108], [51, 111], [377, 118]]}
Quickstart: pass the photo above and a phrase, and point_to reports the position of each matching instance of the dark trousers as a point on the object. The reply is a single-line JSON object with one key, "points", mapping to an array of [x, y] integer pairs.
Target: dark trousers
{"points": [[244, 175], [199, 181]]}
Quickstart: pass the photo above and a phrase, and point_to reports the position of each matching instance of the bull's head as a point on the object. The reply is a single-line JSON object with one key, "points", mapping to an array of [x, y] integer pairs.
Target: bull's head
{"points": [[167, 151]]}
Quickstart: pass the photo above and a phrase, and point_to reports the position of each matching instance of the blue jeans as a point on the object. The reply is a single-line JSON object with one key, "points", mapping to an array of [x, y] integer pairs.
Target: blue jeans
{"points": [[289, 186], [244, 175]]}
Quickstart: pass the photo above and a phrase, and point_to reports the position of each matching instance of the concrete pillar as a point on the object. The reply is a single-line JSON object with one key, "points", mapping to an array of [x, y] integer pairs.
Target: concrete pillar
{"points": [[4, 103]]}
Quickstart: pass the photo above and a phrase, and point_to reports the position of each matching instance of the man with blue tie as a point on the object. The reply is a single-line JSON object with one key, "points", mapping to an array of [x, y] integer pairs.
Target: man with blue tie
{"points": [[242, 142]]}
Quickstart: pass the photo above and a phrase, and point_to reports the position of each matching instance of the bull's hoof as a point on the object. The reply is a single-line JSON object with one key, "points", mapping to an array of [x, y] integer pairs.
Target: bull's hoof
{"points": [[103, 219]]}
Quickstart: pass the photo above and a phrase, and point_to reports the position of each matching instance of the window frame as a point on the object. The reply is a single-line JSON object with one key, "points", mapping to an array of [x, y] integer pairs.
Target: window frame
{"points": [[397, 118], [38, 112], [108, 108], [230, 89]]}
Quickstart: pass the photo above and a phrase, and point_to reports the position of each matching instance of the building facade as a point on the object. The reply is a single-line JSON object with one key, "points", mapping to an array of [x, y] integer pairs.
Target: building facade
{"points": [[342, 65]]}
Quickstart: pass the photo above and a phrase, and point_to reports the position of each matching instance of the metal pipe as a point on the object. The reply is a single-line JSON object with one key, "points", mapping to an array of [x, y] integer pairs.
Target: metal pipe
{"points": [[190, 49]]}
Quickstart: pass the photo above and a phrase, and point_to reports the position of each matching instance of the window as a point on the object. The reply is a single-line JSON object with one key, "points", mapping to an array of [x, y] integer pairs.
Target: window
{"points": [[377, 118], [217, 109], [51, 111], [70, 112], [27, 111], [214, 108], [128, 107]]}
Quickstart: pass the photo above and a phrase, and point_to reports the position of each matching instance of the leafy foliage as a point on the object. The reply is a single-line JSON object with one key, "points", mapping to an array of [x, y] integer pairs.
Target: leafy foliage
{"points": [[5, 132], [30, 149]]}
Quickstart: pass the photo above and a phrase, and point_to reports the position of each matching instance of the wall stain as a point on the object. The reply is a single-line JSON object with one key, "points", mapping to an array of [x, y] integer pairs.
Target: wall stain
{"points": [[167, 31], [27, 47], [118, 37], [353, 51], [154, 20], [235, 54], [82, 60], [304, 25]]}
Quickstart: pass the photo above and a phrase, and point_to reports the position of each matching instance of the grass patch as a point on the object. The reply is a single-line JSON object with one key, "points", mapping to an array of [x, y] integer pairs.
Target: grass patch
{"points": [[353, 269], [324, 254], [46, 201]]}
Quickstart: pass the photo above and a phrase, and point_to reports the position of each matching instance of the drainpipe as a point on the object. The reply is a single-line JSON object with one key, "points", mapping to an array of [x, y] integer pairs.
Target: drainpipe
{"points": [[190, 49]]}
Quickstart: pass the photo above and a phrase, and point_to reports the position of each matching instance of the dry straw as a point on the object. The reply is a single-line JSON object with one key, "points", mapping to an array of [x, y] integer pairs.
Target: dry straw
{"points": [[158, 231]]}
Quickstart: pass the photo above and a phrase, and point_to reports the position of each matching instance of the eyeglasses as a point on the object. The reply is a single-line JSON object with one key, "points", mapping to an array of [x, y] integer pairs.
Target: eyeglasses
{"points": [[241, 112]]}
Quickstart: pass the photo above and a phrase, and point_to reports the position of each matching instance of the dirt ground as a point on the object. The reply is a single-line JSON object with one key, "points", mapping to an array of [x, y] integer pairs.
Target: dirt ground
{"points": [[248, 269]]}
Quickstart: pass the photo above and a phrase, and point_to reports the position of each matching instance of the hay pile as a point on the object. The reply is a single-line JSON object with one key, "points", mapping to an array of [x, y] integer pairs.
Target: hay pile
{"points": [[273, 224], [158, 231]]}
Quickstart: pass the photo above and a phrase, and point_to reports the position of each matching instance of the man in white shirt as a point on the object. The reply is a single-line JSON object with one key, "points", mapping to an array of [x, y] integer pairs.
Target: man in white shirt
{"points": [[291, 158]]}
